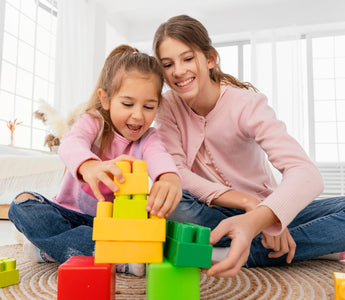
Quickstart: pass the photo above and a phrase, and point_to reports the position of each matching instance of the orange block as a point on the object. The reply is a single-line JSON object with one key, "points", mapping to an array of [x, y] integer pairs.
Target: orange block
{"points": [[109, 229], [128, 252]]}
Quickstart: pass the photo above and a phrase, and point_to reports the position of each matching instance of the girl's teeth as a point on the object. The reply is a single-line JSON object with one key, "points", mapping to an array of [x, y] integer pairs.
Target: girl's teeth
{"points": [[185, 82]]}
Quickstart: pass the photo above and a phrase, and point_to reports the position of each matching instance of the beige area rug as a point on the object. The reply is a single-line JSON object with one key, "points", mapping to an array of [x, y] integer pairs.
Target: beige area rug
{"points": [[307, 280]]}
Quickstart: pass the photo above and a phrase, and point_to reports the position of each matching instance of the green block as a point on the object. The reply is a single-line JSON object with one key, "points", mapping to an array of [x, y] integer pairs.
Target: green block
{"points": [[130, 208], [9, 275], [169, 282], [187, 244]]}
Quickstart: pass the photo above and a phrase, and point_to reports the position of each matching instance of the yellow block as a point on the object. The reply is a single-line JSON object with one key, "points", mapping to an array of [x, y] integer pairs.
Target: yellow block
{"points": [[339, 285], [128, 252], [109, 229], [136, 182]]}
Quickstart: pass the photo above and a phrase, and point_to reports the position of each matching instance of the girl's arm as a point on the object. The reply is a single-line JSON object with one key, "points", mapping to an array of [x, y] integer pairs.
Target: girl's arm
{"points": [[235, 199]]}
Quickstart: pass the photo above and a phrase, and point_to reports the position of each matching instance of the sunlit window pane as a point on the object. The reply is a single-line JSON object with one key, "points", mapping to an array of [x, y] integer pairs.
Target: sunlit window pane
{"points": [[229, 59], [339, 42], [323, 68], [22, 136], [11, 20], [340, 88], [325, 111], [339, 65], [323, 47], [42, 65], [341, 110], [27, 30], [24, 83], [10, 48], [7, 105], [29, 8], [23, 110], [326, 132], [327, 153], [40, 89], [43, 40], [341, 132], [324, 89], [26, 56], [8, 77], [38, 137]]}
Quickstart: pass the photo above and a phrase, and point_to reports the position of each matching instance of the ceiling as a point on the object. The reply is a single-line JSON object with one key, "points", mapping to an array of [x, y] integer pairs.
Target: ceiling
{"points": [[137, 20]]}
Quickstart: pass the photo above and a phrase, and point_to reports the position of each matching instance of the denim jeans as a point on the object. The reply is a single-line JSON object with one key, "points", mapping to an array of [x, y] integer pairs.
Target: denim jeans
{"points": [[319, 229], [58, 231]]}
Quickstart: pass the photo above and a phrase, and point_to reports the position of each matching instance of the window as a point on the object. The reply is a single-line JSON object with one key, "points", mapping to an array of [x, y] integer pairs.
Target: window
{"points": [[27, 52]]}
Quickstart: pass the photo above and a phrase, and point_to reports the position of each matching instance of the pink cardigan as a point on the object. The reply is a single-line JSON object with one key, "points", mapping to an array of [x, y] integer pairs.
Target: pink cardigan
{"points": [[239, 134], [82, 143]]}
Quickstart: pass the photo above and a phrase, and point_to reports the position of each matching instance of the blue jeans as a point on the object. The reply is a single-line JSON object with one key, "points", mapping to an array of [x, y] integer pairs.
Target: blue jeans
{"points": [[319, 229], [58, 231]]}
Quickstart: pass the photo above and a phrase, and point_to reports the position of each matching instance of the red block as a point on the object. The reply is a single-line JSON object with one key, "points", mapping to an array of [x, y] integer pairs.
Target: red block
{"points": [[80, 278]]}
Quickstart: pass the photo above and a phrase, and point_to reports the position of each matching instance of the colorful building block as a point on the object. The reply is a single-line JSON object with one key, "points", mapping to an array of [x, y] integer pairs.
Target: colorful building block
{"points": [[169, 282], [9, 274], [188, 244], [79, 278], [131, 198], [127, 240], [339, 285]]}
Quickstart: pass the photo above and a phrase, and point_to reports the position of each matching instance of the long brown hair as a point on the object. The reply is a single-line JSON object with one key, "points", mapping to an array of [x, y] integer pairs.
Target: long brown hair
{"points": [[122, 59], [192, 33]]}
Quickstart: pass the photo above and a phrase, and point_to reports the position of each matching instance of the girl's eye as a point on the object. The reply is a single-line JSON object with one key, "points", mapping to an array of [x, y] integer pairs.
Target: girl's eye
{"points": [[127, 104], [149, 107], [166, 66], [189, 58]]}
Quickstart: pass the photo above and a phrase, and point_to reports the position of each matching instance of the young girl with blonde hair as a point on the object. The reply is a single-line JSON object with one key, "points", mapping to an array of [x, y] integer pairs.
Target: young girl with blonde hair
{"points": [[115, 126]]}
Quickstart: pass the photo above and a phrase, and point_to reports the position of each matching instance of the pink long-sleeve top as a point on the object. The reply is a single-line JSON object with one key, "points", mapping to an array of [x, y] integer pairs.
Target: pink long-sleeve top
{"points": [[82, 143], [228, 149]]}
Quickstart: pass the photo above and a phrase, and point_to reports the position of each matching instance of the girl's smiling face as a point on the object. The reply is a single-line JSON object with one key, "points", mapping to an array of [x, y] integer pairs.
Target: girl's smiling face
{"points": [[134, 106], [186, 70]]}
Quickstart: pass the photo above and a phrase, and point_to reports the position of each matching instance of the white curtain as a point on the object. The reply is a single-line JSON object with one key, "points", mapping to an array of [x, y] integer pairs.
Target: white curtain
{"points": [[278, 69], [78, 54]]}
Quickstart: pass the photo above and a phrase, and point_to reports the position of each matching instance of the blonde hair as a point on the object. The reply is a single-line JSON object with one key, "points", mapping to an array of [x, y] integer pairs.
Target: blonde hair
{"points": [[192, 33], [122, 59]]}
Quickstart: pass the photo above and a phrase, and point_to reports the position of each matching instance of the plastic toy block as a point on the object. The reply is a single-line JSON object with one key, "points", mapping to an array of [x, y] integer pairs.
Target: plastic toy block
{"points": [[169, 282], [128, 252], [339, 285], [144, 230], [79, 278], [187, 244], [136, 182], [127, 240], [9, 274], [131, 198], [131, 209]]}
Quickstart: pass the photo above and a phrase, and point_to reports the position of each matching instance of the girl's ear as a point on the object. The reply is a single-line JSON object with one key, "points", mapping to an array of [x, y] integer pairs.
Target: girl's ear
{"points": [[212, 59], [103, 97]]}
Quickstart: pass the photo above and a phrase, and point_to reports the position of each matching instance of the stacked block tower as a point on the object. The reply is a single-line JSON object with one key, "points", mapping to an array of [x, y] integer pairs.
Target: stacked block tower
{"points": [[125, 233]]}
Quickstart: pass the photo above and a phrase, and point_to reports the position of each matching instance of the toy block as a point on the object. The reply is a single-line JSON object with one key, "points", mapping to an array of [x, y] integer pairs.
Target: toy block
{"points": [[127, 240], [169, 282], [339, 285], [9, 274], [187, 244], [128, 252], [130, 209], [79, 278], [144, 230], [136, 182], [131, 198]]}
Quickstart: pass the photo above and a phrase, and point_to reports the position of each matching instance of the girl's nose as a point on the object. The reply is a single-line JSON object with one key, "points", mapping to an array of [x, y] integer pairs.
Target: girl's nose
{"points": [[178, 70], [138, 114]]}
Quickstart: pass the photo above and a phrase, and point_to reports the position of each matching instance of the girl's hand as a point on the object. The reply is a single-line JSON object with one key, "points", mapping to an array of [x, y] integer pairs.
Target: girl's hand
{"points": [[164, 196], [241, 229], [94, 172], [280, 244]]}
